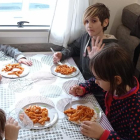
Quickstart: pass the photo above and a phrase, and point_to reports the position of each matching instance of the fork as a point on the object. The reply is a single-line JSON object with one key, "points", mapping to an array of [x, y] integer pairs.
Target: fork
{"points": [[58, 61], [30, 83]]}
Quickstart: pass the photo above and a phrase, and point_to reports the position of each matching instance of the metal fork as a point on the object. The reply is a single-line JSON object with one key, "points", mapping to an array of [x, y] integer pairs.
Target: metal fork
{"points": [[30, 83], [58, 61]]}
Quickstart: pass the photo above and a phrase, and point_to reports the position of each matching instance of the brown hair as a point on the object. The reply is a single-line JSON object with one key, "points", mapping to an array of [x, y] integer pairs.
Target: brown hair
{"points": [[2, 123], [99, 10], [114, 61]]}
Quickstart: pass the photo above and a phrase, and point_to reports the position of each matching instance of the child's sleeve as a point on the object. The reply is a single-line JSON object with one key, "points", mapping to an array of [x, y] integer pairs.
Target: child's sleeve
{"points": [[90, 86], [112, 135], [11, 51], [73, 48]]}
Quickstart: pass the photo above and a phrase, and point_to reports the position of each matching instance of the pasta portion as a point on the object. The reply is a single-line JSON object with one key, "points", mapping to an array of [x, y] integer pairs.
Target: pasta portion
{"points": [[65, 69], [10, 67], [81, 113], [37, 114]]}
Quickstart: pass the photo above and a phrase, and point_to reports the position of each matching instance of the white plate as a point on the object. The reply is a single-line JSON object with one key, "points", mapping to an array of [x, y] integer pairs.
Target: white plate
{"points": [[62, 75], [84, 103], [25, 72], [52, 113]]}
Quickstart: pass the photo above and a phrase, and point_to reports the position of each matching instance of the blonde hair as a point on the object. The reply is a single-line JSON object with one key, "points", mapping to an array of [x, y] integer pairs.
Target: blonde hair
{"points": [[99, 10]]}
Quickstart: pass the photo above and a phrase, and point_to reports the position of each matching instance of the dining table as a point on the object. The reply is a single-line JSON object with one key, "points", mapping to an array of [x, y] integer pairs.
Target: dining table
{"points": [[41, 85]]}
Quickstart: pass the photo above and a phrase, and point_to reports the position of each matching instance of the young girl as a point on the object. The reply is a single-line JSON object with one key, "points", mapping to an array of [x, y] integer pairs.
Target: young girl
{"points": [[114, 76], [8, 129]]}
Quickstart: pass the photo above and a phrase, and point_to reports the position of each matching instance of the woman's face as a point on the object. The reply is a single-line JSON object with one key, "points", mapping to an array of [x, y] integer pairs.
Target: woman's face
{"points": [[105, 85], [93, 27]]}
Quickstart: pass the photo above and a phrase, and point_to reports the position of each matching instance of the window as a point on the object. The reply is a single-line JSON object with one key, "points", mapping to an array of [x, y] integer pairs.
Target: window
{"points": [[36, 12]]}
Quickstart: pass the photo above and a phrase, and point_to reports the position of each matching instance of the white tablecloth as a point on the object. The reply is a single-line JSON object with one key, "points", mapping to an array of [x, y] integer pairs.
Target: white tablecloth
{"points": [[53, 89]]}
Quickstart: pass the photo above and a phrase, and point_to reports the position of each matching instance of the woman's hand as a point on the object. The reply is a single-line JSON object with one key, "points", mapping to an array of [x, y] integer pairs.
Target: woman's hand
{"points": [[96, 47], [76, 90], [57, 57], [91, 129], [25, 61], [11, 129]]}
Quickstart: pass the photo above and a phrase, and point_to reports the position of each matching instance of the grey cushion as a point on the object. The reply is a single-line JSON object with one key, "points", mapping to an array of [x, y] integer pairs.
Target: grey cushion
{"points": [[128, 42], [37, 47], [136, 29], [130, 15]]}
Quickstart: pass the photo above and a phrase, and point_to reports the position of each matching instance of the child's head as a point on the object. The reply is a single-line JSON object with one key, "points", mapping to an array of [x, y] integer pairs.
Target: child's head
{"points": [[113, 66], [2, 122], [99, 11]]}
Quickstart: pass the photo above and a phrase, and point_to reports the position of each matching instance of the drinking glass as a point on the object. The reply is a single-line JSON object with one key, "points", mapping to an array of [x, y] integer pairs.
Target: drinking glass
{"points": [[20, 116]]}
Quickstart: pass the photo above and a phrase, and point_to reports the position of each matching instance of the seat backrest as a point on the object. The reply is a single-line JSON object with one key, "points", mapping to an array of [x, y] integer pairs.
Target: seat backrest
{"points": [[136, 28], [130, 15]]}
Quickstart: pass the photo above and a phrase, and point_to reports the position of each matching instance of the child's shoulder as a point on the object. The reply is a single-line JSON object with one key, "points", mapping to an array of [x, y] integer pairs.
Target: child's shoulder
{"points": [[135, 98], [108, 38], [138, 94], [85, 35]]}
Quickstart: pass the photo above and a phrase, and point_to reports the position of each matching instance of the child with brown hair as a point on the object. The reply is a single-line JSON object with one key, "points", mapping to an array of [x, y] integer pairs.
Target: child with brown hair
{"points": [[8, 129], [114, 77], [96, 21]]}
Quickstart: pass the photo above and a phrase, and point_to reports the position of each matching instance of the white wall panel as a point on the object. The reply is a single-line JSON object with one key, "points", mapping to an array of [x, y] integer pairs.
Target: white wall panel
{"points": [[116, 7]]}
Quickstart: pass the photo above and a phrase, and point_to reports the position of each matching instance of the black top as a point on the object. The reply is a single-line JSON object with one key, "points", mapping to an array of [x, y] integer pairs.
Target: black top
{"points": [[76, 48]]}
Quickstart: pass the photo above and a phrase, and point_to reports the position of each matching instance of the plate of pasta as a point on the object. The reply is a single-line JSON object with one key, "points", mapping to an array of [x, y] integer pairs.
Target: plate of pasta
{"points": [[65, 70], [42, 115], [14, 70], [82, 110]]}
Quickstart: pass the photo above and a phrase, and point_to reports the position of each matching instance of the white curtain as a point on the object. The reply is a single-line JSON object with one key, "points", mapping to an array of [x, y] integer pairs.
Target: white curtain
{"points": [[67, 24]]}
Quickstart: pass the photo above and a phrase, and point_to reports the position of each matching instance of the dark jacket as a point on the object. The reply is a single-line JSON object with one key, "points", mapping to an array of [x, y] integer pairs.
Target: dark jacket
{"points": [[123, 112], [76, 48]]}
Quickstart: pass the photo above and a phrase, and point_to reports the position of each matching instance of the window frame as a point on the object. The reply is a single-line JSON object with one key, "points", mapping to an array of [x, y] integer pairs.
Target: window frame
{"points": [[24, 35], [29, 15], [12, 34]]}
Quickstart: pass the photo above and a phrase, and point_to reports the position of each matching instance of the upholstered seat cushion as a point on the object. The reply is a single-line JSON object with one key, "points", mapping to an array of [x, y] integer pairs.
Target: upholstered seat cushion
{"points": [[136, 29], [130, 14], [128, 42]]}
